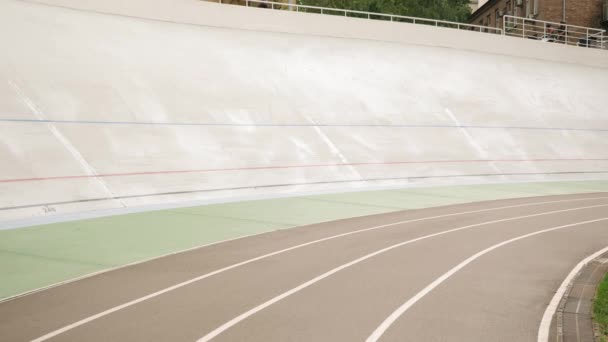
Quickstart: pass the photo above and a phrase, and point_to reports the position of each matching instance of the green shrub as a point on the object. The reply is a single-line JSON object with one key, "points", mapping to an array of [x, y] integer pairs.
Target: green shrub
{"points": [[600, 307]]}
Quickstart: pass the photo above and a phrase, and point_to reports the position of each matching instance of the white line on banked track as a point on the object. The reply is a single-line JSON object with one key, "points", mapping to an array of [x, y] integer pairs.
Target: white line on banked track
{"points": [[545, 323], [381, 329], [285, 250], [329, 273]]}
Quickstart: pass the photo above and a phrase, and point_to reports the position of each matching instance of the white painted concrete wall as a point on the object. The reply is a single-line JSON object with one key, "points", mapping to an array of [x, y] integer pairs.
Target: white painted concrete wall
{"points": [[251, 101]]}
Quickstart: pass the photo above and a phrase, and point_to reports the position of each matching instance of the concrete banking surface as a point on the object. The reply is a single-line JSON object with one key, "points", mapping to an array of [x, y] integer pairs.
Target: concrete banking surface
{"points": [[106, 104]]}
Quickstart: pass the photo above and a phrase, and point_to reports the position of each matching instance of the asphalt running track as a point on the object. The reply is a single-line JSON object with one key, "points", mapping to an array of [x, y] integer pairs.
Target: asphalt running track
{"points": [[471, 272]]}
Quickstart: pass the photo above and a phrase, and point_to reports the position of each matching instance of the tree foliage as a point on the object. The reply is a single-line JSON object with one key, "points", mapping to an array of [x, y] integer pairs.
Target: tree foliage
{"points": [[451, 10]]}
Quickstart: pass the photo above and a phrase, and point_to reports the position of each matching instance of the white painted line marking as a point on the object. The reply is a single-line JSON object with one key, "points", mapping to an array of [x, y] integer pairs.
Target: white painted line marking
{"points": [[545, 323], [207, 275], [381, 329], [302, 286]]}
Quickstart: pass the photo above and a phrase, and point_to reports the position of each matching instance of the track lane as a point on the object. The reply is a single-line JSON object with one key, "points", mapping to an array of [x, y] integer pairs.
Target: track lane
{"points": [[262, 279], [74, 300], [374, 254], [500, 297], [351, 304], [401, 310]]}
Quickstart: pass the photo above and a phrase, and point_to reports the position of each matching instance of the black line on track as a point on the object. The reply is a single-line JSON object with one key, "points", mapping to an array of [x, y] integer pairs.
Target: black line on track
{"points": [[294, 184]]}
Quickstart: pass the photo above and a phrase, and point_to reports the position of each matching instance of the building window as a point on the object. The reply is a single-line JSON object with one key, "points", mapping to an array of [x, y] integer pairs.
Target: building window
{"points": [[489, 20], [509, 8], [496, 17]]}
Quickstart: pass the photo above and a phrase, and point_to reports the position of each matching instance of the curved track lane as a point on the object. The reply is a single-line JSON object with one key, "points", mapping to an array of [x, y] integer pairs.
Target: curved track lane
{"points": [[339, 280]]}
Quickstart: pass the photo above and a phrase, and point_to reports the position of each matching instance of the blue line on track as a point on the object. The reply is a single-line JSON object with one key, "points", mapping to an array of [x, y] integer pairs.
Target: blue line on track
{"points": [[211, 124]]}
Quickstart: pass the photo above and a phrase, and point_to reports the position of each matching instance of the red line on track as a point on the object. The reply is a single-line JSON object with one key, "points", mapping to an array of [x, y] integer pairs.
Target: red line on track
{"points": [[275, 167]]}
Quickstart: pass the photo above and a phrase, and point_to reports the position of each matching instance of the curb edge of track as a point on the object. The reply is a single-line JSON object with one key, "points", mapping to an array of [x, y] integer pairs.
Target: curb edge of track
{"points": [[562, 329]]}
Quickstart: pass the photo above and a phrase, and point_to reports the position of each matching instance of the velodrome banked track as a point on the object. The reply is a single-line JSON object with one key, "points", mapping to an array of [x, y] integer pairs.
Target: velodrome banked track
{"points": [[105, 111], [106, 105]]}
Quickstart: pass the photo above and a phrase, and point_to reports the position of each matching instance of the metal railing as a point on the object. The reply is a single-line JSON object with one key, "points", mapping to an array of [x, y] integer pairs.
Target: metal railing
{"points": [[553, 32], [366, 15], [513, 26]]}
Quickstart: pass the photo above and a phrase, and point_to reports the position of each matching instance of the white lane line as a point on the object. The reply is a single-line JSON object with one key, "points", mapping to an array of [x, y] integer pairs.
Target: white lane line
{"points": [[381, 329], [233, 266], [302, 286], [545, 323]]}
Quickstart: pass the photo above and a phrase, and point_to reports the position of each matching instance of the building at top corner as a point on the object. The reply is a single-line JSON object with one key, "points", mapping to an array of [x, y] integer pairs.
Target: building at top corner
{"points": [[586, 13]]}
